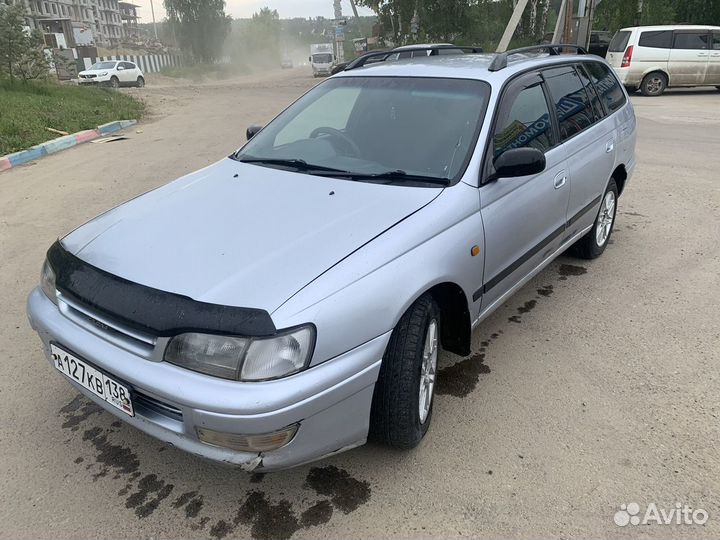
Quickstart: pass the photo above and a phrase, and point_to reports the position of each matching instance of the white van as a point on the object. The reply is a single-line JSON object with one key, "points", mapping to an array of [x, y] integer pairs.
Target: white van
{"points": [[653, 58]]}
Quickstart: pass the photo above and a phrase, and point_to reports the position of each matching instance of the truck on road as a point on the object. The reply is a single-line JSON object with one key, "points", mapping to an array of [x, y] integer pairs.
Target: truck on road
{"points": [[322, 58]]}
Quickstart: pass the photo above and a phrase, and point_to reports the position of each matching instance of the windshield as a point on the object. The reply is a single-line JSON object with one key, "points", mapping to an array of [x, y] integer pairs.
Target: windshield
{"points": [[104, 65], [372, 125], [322, 58]]}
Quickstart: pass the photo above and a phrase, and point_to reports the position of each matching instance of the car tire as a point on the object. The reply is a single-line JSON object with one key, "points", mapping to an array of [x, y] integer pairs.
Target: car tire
{"points": [[593, 244], [140, 82], [399, 416], [114, 82], [653, 84]]}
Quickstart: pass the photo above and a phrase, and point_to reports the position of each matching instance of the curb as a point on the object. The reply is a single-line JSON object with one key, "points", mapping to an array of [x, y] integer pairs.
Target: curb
{"points": [[61, 143]]}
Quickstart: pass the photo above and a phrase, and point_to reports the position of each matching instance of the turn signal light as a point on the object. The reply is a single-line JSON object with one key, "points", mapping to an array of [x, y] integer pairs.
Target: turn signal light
{"points": [[248, 443]]}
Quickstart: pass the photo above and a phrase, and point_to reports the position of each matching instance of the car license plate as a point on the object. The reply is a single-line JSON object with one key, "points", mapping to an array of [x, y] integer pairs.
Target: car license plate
{"points": [[107, 388]]}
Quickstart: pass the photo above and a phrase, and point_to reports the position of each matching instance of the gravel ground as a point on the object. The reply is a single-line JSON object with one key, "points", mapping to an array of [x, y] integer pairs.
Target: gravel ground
{"points": [[595, 386]]}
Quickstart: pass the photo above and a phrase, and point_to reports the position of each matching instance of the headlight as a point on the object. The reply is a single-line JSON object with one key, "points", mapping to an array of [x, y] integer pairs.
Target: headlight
{"points": [[47, 282], [245, 359], [103, 73]]}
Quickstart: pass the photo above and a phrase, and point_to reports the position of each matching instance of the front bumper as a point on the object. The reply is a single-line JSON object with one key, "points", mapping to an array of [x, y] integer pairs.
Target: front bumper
{"points": [[331, 401]]}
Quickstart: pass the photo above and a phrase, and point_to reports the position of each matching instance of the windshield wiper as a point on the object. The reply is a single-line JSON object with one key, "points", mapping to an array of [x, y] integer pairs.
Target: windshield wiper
{"points": [[320, 170], [298, 164], [395, 175]]}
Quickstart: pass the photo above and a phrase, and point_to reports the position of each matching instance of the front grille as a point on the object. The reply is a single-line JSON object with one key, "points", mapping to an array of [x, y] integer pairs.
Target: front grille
{"points": [[132, 340], [145, 404]]}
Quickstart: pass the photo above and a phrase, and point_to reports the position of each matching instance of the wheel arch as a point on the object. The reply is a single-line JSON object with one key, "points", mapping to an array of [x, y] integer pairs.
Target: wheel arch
{"points": [[455, 328], [656, 69], [620, 176]]}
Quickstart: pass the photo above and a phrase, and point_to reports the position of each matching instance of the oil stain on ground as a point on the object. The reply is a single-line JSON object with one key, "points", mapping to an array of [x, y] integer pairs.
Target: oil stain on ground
{"points": [[279, 520], [462, 377], [151, 491], [566, 270], [345, 492], [77, 411]]}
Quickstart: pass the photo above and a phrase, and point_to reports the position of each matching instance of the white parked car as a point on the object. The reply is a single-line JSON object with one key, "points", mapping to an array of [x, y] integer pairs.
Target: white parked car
{"points": [[115, 73], [653, 58]]}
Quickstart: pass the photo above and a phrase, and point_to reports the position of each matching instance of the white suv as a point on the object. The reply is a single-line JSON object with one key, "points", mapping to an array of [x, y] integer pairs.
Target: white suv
{"points": [[653, 58], [113, 73]]}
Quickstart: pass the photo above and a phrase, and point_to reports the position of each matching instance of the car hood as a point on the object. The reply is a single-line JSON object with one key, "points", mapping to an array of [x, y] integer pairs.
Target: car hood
{"points": [[242, 235]]}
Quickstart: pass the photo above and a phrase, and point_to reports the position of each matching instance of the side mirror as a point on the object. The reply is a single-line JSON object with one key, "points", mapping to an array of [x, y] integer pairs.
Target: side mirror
{"points": [[310, 58], [120, 68], [518, 162], [253, 130]]}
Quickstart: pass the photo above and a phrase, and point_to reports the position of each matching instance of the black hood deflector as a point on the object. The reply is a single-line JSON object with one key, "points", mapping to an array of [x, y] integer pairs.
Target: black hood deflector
{"points": [[147, 309]]}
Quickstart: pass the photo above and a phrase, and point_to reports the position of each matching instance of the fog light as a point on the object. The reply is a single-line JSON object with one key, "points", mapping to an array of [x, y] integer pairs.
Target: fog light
{"points": [[248, 443]]}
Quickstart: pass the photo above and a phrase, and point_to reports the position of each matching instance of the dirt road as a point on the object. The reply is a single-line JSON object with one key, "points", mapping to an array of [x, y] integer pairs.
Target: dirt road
{"points": [[595, 386]]}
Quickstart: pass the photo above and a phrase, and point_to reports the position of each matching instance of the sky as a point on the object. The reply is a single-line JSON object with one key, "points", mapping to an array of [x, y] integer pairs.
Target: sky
{"points": [[245, 8]]}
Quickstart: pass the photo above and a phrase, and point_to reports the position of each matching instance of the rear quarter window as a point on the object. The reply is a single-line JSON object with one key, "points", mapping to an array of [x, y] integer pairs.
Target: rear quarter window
{"points": [[607, 86], [619, 41], [661, 39]]}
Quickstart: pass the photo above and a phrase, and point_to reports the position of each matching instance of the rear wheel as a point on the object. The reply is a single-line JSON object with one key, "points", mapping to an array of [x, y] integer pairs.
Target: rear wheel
{"points": [[114, 82], [593, 244], [402, 402], [653, 84], [140, 82]]}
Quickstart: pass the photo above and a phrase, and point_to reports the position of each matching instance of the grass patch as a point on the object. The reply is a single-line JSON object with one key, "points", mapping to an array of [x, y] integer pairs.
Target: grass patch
{"points": [[27, 109]]}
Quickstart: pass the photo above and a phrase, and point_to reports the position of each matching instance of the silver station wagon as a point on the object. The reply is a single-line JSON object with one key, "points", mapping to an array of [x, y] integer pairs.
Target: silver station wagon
{"points": [[288, 302]]}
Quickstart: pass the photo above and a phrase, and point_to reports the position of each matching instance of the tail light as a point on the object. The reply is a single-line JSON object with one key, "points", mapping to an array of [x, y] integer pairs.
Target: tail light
{"points": [[627, 57]]}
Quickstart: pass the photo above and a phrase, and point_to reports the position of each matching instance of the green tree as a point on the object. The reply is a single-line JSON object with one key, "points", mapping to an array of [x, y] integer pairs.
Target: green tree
{"points": [[21, 51], [201, 26], [257, 41]]}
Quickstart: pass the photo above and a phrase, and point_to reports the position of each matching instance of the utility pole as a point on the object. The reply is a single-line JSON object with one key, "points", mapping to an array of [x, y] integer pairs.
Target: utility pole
{"points": [[512, 25], [560, 24], [567, 32], [152, 10], [354, 8]]}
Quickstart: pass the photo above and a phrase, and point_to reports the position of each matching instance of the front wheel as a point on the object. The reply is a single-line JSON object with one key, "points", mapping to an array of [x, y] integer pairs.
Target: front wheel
{"points": [[140, 82], [114, 82], [402, 403], [593, 244]]}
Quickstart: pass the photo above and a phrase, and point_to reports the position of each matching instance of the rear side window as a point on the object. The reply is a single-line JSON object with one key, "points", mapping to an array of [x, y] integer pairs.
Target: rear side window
{"points": [[607, 86], [691, 40], [524, 120], [573, 107], [661, 39], [619, 41], [716, 41]]}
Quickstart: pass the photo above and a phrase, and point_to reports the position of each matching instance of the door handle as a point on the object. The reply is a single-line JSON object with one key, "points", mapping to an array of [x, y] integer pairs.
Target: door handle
{"points": [[703, 55], [560, 180], [609, 146]]}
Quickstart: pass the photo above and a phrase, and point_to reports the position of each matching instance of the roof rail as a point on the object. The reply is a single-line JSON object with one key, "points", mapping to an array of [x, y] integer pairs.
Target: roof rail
{"points": [[434, 50], [501, 59]]}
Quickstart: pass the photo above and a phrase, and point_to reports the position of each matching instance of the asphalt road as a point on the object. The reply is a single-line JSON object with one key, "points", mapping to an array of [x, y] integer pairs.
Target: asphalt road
{"points": [[595, 386]]}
